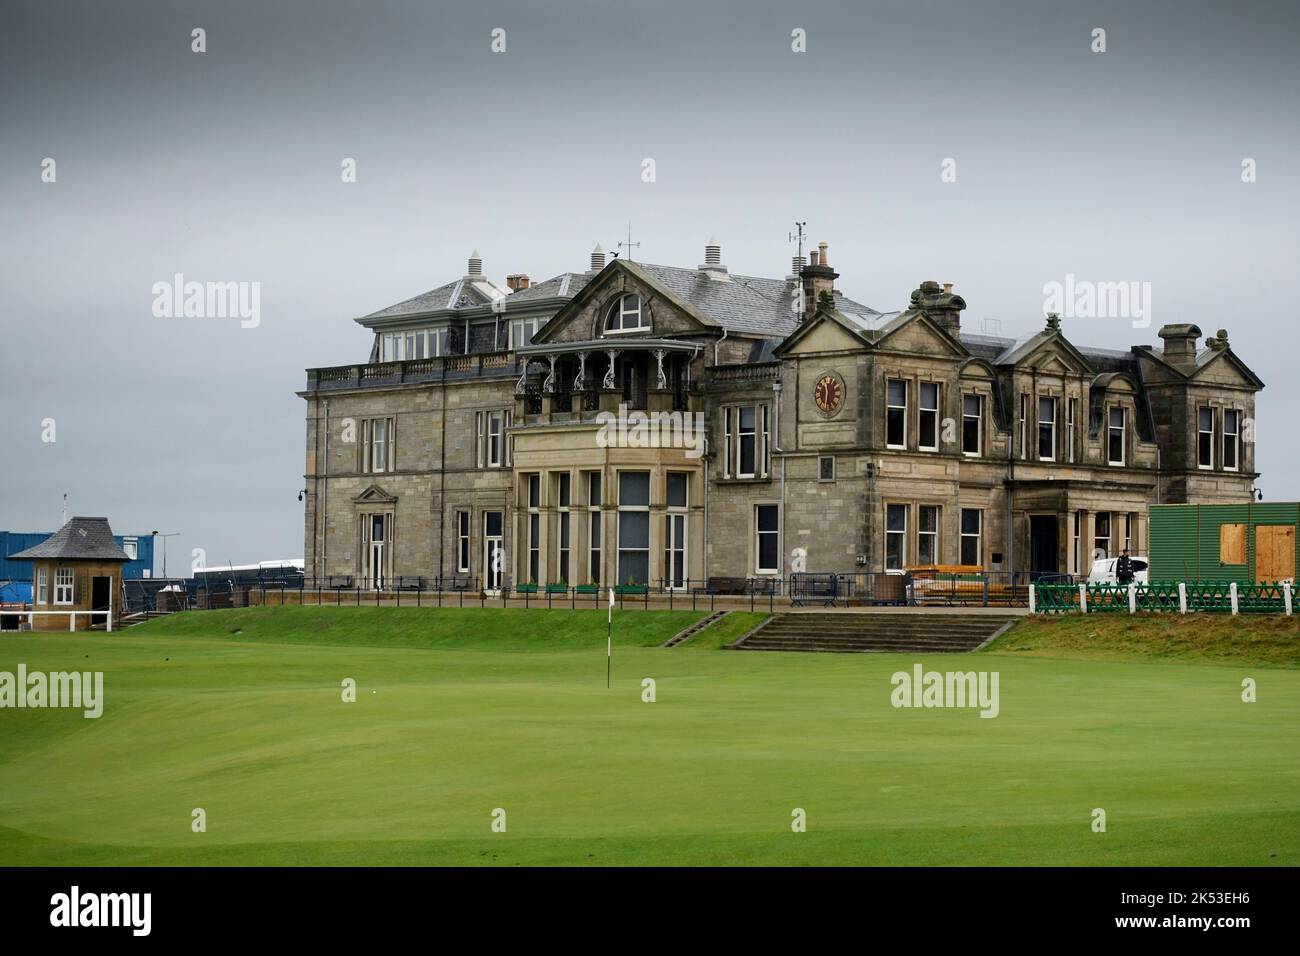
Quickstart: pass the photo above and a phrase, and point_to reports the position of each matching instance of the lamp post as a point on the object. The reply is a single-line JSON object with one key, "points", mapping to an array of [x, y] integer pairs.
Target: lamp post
{"points": [[159, 534]]}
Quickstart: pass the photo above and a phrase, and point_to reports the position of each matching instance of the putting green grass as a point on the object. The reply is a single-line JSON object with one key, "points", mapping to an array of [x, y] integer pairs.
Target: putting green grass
{"points": [[462, 712]]}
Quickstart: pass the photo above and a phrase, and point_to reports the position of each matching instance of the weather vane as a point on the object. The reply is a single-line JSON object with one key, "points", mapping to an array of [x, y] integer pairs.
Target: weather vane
{"points": [[798, 236], [629, 245]]}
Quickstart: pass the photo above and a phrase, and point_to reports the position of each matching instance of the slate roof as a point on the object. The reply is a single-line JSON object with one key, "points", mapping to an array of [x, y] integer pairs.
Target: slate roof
{"points": [[464, 293], [749, 305], [564, 286], [84, 539], [998, 350]]}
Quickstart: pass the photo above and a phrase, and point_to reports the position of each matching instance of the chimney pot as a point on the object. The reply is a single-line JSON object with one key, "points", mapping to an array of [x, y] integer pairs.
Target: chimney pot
{"points": [[712, 258], [947, 288], [518, 281], [821, 249]]}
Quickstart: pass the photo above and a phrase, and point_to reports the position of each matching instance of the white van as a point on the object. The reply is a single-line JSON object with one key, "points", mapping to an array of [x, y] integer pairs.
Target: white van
{"points": [[1103, 570]]}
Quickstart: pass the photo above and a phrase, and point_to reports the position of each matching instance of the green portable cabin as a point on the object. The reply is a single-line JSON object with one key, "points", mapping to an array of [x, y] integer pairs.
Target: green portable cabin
{"points": [[1253, 542]]}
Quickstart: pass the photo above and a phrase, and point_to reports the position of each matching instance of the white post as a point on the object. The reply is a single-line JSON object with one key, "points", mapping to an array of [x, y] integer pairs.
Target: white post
{"points": [[1033, 604], [72, 621], [110, 605], [1182, 597], [1132, 597], [1286, 596], [1232, 592], [1083, 598]]}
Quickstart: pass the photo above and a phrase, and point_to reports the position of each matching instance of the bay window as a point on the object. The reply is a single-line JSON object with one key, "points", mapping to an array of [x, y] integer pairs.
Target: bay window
{"points": [[633, 527]]}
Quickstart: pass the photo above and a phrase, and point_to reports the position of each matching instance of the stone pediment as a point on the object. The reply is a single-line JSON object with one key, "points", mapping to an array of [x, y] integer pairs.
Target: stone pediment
{"points": [[374, 495], [916, 332]]}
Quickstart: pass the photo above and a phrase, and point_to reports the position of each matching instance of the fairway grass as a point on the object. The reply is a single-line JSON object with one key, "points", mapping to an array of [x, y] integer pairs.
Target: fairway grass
{"points": [[459, 713]]}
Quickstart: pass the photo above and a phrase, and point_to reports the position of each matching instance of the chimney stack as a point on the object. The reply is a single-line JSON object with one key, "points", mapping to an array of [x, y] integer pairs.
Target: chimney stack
{"points": [[940, 304], [818, 280], [1180, 345], [597, 259], [475, 266], [518, 281]]}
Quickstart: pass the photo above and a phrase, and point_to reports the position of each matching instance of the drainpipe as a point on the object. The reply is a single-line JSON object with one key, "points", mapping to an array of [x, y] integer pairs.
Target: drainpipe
{"points": [[442, 487], [706, 510], [776, 447], [1011, 474], [716, 343], [325, 494]]}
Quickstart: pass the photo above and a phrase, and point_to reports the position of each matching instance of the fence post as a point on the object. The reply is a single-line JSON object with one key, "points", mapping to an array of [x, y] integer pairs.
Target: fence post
{"points": [[1232, 593], [1132, 597], [1033, 599], [1286, 597], [1182, 597], [1083, 598]]}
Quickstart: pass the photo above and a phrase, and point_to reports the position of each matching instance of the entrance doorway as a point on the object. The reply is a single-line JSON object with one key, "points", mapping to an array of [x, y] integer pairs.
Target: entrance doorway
{"points": [[1044, 546], [675, 551], [100, 590], [494, 555], [378, 544]]}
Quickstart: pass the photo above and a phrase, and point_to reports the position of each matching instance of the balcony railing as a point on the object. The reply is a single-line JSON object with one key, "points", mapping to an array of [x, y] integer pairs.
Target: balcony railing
{"points": [[381, 374]]}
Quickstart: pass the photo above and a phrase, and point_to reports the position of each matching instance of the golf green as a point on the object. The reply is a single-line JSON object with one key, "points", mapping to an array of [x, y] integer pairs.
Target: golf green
{"points": [[459, 714]]}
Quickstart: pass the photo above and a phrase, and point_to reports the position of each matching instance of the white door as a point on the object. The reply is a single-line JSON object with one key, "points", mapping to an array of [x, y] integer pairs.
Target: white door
{"points": [[494, 555], [377, 545], [675, 552]]}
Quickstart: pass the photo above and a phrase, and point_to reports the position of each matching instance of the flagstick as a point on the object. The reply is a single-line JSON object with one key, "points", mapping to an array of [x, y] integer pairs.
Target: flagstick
{"points": [[609, 640]]}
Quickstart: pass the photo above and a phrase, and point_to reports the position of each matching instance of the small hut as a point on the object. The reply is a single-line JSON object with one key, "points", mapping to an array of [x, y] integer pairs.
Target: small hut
{"points": [[76, 569]]}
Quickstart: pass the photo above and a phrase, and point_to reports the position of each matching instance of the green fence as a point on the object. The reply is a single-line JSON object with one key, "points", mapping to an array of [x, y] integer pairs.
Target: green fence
{"points": [[1166, 596]]}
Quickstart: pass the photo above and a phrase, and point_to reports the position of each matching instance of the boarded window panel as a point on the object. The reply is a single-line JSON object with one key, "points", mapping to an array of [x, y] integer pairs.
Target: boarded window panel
{"points": [[1274, 553], [1232, 543]]}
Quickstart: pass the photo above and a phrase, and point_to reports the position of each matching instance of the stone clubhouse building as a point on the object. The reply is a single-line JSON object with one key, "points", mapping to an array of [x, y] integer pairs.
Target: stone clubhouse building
{"points": [[547, 433]]}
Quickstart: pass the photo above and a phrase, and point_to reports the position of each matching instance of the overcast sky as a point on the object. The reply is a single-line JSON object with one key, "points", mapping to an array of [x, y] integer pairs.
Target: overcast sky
{"points": [[225, 166]]}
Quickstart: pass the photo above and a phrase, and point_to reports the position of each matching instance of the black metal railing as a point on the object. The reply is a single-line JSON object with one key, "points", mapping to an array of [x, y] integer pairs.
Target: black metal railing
{"points": [[758, 592]]}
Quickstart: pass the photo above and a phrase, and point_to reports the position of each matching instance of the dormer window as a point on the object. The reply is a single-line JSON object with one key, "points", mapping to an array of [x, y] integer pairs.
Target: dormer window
{"points": [[626, 315]]}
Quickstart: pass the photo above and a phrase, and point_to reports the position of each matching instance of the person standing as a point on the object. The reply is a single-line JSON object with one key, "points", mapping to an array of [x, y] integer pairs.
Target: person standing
{"points": [[1124, 568]]}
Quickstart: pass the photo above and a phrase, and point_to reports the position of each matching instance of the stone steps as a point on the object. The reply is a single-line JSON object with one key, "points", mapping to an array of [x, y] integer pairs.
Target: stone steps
{"points": [[685, 635], [875, 633]]}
